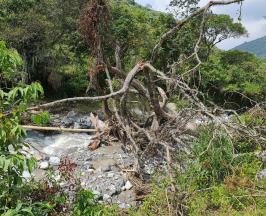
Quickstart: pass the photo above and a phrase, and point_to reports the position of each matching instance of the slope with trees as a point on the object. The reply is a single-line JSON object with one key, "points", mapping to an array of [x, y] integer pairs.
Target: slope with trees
{"points": [[257, 47]]}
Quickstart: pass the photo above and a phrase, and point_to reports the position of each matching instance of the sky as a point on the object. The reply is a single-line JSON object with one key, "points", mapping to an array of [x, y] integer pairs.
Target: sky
{"points": [[253, 17]]}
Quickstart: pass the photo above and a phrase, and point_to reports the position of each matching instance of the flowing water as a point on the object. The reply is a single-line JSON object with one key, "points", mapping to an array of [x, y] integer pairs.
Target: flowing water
{"points": [[57, 144]]}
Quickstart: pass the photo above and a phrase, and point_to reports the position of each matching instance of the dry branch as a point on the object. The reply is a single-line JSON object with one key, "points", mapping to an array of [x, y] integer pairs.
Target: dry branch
{"points": [[181, 23], [38, 128]]}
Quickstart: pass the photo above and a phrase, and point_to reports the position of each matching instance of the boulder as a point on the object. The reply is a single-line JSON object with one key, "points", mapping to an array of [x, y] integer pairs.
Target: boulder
{"points": [[127, 186], [26, 174], [261, 175], [54, 161], [44, 165], [171, 107]]}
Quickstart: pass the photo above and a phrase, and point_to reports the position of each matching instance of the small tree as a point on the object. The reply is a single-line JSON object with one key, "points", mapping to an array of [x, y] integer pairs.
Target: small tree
{"points": [[12, 161]]}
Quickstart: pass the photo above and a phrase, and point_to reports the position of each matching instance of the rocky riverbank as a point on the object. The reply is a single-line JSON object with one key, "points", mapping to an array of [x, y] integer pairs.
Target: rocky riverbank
{"points": [[104, 171]]}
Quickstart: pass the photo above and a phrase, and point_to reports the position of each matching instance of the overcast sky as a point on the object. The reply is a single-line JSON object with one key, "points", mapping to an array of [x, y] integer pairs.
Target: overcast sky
{"points": [[253, 13]]}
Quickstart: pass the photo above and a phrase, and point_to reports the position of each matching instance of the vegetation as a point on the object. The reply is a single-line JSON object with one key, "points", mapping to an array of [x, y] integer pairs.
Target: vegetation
{"points": [[215, 182], [234, 78], [74, 49]]}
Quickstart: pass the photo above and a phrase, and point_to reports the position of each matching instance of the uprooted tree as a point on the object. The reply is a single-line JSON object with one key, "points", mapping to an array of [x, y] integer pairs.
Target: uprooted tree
{"points": [[160, 129]]}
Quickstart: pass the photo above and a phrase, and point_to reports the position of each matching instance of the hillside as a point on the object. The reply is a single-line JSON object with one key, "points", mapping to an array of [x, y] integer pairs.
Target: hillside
{"points": [[257, 47]]}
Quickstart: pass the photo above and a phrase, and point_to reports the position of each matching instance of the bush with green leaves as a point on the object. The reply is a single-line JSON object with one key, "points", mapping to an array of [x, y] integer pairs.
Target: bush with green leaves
{"points": [[41, 119], [12, 161], [213, 152], [86, 205], [10, 63]]}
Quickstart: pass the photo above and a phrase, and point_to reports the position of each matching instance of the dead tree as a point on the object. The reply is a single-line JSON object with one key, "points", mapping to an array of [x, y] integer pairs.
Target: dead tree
{"points": [[167, 131]]}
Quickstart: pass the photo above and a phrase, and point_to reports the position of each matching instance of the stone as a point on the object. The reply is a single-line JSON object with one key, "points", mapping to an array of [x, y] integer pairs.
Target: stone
{"points": [[101, 124], [128, 185], [57, 178], [191, 126], [112, 190], [38, 157], [26, 174], [110, 175], [105, 168], [76, 125], [87, 165], [106, 197], [85, 122], [171, 107], [91, 171], [263, 156], [71, 114], [54, 161], [124, 205], [261, 175], [44, 165], [66, 121], [97, 194], [149, 169]]}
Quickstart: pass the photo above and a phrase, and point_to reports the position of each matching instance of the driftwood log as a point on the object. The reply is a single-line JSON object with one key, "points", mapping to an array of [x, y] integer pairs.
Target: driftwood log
{"points": [[73, 130]]}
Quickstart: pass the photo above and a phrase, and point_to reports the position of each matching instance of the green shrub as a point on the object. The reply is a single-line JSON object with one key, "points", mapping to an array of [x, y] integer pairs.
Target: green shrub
{"points": [[41, 118], [86, 205], [12, 162], [214, 152], [216, 182]]}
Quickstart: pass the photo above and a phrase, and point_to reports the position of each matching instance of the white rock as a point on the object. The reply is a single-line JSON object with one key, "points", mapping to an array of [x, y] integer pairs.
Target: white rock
{"points": [[57, 177], [71, 114], [38, 157], [112, 188], [26, 174], [263, 156], [128, 185], [172, 107], [262, 174], [110, 175], [44, 165], [106, 197], [124, 206], [76, 125], [91, 171], [54, 161], [97, 194]]}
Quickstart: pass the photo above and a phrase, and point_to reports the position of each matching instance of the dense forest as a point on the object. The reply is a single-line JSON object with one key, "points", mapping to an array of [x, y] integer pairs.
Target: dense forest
{"points": [[161, 88]]}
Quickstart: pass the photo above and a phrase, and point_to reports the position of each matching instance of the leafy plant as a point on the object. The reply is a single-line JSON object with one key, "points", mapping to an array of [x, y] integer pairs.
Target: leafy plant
{"points": [[10, 62], [86, 205], [41, 118]]}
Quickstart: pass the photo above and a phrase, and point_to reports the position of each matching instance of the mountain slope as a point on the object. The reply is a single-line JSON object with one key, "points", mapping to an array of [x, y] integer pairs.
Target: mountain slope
{"points": [[257, 47]]}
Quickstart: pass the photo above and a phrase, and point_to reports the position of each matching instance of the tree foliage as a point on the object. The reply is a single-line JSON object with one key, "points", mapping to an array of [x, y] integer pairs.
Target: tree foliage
{"points": [[10, 64], [230, 76]]}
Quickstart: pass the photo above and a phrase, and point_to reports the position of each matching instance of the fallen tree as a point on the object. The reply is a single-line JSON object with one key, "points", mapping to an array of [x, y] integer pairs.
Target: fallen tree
{"points": [[90, 25], [162, 130], [38, 128]]}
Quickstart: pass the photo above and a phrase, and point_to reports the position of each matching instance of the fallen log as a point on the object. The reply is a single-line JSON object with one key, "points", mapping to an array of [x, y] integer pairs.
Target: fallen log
{"points": [[38, 128]]}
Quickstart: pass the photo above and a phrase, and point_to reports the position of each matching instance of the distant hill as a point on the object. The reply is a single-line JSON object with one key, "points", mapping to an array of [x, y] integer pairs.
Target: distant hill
{"points": [[257, 47]]}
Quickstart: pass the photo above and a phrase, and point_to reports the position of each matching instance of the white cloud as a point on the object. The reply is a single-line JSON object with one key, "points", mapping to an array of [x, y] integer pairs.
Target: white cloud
{"points": [[156, 4]]}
